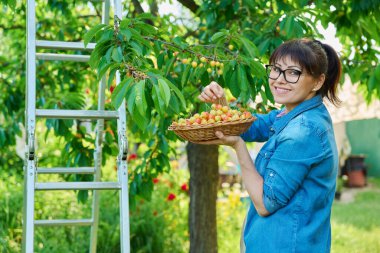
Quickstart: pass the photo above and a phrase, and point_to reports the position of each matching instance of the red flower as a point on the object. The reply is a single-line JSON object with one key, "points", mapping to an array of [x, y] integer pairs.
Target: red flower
{"points": [[112, 88], [132, 157], [171, 196], [156, 180], [184, 187]]}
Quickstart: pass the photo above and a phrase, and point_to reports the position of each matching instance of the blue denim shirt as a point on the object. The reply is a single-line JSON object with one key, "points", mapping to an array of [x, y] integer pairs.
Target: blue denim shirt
{"points": [[299, 165]]}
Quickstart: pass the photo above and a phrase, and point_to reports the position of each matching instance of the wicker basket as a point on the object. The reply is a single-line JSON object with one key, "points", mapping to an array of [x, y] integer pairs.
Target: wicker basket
{"points": [[207, 132]]}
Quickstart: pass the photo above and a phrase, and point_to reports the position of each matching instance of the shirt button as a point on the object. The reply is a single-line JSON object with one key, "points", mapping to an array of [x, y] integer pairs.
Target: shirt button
{"points": [[271, 174], [272, 129]]}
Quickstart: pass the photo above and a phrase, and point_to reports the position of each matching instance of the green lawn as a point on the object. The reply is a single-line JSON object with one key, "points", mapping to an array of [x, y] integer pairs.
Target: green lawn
{"points": [[356, 225]]}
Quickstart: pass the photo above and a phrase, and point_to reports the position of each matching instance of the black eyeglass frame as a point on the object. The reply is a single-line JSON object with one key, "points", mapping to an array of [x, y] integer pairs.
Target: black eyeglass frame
{"points": [[267, 66]]}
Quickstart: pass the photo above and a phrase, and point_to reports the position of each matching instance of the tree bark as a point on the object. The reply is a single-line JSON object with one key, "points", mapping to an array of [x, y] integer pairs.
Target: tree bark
{"points": [[204, 179], [190, 4]]}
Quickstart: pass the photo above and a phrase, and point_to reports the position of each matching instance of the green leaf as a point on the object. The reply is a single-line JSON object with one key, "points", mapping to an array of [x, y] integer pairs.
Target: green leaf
{"points": [[119, 92], [249, 48], [99, 51], [126, 33], [233, 84], [131, 97], [178, 41], [91, 33], [218, 36], [173, 105], [164, 91], [178, 93], [289, 25], [185, 75], [158, 104], [111, 76], [137, 48], [140, 120], [117, 54], [377, 73], [147, 29], [140, 97]]}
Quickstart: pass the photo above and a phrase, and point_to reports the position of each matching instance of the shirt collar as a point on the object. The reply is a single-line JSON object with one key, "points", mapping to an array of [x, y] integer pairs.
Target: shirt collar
{"points": [[306, 105]]}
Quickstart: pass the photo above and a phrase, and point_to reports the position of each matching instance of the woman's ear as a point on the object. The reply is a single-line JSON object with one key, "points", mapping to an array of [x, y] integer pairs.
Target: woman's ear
{"points": [[320, 81]]}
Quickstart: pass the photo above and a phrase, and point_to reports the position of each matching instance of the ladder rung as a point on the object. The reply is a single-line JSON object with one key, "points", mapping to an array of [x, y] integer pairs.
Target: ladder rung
{"points": [[76, 114], [62, 57], [49, 44], [77, 186], [81, 170], [79, 222]]}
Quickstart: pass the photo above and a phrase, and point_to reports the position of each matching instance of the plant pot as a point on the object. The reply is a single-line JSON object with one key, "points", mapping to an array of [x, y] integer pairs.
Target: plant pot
{"points": [[356, 178]]}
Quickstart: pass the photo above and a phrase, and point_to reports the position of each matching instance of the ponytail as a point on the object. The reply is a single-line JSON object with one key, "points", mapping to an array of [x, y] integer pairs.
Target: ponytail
{"points": [[334, 71]]}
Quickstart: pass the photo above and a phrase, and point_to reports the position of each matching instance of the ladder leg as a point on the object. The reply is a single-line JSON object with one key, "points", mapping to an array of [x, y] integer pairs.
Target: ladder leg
{"points": [[122, 171], [28, 217], [98, 165], [124, 207]]}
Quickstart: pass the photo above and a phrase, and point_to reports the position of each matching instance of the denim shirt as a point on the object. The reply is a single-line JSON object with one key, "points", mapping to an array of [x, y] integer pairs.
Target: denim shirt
{"points": [[299, 165]]}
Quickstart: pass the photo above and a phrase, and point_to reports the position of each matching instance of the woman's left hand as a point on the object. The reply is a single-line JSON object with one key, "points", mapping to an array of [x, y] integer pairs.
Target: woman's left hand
{"points": [[223, 140]]}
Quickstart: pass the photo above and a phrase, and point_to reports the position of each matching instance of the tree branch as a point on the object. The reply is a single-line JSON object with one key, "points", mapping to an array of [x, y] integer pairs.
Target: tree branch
{"points": [[153, 8], [190, 4], [138, 7]]}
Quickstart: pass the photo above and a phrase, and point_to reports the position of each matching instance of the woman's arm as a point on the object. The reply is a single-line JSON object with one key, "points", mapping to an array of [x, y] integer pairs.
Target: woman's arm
{"points": [[251, 178]]}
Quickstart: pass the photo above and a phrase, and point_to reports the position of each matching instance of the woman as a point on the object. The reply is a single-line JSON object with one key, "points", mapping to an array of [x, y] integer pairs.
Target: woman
{"points": [[292, 181]]}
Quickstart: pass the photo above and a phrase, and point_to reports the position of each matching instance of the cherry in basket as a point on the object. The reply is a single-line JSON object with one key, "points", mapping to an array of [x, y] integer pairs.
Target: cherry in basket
{"points": [[202, 127]]}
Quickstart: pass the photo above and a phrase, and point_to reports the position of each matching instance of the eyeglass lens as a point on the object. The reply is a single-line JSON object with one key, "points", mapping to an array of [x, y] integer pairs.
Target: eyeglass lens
{"points": [[290, 75]]}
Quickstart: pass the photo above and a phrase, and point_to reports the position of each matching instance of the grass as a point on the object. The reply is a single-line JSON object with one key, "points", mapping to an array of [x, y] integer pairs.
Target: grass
{"points": [[356, 225]]}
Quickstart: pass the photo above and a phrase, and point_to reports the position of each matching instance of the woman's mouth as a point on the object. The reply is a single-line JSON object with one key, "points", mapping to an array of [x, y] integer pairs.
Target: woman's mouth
{"points": [[281, 90]]}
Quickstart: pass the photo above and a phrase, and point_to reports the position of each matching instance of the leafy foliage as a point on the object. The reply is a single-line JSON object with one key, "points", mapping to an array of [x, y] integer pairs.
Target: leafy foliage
{"points": [[163, 65]]}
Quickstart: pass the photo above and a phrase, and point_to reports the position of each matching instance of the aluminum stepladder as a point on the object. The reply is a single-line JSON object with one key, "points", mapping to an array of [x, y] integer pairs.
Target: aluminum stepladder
{"points": [[31, 170]]}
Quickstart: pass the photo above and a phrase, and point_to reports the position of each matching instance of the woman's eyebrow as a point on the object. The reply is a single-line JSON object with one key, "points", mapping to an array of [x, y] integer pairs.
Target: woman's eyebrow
{"points": [[292, 66]]}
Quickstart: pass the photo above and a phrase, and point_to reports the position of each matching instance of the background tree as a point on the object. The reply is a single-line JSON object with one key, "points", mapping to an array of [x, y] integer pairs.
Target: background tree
{"points": [[169, 84]]}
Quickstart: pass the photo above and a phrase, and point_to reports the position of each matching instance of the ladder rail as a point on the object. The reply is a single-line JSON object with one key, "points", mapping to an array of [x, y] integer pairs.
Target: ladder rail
{"points": [[30, 169], [63, 45]]}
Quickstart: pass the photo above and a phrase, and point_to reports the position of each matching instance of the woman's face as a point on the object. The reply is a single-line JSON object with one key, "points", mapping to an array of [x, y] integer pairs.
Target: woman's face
{"points": [[292, 94]]}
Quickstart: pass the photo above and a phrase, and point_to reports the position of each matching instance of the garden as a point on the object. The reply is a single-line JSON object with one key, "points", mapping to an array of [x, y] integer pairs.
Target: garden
{"points": [[161, 225], [146, 67]]}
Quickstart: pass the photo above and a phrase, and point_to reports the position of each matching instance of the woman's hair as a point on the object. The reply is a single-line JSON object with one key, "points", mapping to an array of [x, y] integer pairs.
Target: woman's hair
{"points": [[317, 59]]}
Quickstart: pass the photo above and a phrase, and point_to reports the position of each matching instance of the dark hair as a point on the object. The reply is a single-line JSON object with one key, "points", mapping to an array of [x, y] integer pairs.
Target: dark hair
{"points": [[317, 59]]}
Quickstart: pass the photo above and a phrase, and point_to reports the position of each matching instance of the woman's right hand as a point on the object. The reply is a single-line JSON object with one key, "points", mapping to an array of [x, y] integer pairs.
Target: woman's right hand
{"points": [[213, 93]]}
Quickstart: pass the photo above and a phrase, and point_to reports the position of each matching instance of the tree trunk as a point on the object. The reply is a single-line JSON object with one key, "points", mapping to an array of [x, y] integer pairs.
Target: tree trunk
{"points": [[204, 179]]}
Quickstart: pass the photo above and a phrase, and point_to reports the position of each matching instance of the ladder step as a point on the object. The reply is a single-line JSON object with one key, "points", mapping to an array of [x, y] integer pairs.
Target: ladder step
{"points": [[62, 57], [59, 45], [76, 114], [77, 186], [79, 222], [81, 170]]}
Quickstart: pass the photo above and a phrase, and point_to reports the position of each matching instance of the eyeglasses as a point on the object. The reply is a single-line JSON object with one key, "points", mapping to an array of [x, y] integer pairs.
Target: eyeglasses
{"points": [[290, 75]]}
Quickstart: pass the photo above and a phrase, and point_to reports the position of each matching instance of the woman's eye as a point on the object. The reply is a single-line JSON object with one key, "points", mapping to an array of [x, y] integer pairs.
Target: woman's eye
{"points": [[276, 69], [293, 72]]}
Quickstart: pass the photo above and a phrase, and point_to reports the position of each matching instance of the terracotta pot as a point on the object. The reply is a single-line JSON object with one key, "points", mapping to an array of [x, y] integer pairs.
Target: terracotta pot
{"points": [[356, 178]]}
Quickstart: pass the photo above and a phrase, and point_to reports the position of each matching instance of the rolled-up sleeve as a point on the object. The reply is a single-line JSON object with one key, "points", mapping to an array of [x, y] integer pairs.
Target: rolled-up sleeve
{"points": [[297, 152], [259, 130]]}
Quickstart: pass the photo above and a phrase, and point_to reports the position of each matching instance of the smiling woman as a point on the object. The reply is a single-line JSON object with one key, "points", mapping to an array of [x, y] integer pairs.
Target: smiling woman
{"points": [[292, 182]]}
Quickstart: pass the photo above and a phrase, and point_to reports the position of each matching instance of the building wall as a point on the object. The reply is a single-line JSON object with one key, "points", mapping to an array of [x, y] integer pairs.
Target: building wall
{"points": [[364, 137]]}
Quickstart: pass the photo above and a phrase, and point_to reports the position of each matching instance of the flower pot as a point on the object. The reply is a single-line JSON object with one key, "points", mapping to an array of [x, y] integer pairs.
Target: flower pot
{"points": [[356, 178]]}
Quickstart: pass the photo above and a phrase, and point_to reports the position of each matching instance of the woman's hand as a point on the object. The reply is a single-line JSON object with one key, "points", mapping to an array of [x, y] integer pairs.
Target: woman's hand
{"points": [[231, 141], [213, 93]]}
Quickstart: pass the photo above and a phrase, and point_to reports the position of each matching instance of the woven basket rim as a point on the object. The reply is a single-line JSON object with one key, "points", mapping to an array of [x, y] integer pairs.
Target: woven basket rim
{"points": [[206, 126]]}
